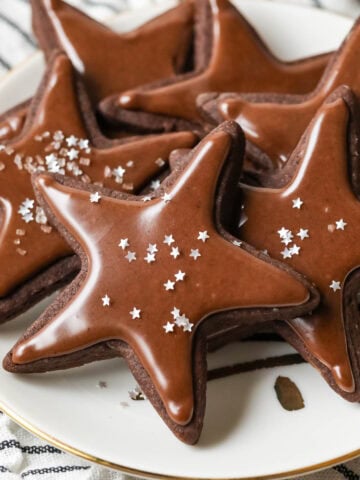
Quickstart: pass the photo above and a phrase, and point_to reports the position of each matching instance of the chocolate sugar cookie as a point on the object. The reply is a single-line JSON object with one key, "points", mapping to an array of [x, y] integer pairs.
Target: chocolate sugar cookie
{"points": [[312, 223], [111, 62], [158, 277], [237, 60], [274, 124], [108, 61], [61, 136]]}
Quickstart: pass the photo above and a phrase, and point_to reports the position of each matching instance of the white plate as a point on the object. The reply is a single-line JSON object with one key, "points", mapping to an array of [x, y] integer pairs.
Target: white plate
{"points": [[246, 433]]}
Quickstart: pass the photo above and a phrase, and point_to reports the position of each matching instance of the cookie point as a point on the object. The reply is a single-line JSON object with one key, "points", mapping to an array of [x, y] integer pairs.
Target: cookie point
{"points": [[42, 180], [127, 100], [298, 292], [344, 378], [229, 109], [19, 354], [181, 413]]}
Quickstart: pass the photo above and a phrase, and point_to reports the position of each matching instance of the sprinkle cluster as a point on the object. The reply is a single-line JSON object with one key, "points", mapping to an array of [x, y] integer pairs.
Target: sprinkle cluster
{"points": [[287, 238], [179, 320]]}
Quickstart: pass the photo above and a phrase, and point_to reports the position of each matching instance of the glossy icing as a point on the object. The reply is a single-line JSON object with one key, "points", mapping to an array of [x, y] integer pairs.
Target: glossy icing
{"points": [[13, 123], [56, 141], [319, 205], [134, 299], [240, 62], [276, 126], [110, 62]]}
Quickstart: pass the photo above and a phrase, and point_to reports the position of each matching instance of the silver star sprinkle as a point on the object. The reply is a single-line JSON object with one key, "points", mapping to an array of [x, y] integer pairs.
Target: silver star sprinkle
{"points": [[152, 248], [130, 256], [168, 327], [155, 184], [195, 254], [179, 276], [124, 243], [73, 154], [27, 203], [168, 240], [169, 285], [237, 243], [166, 198], [119, 171], [83, 144], [40, 216], [283, 232], [286, 253], [295, 249], [203, 236], [28, 217], [150, 257], [335, 285], [106, 300], [188, 326], [175, 252], [297, 203], [340, 224], [287, 238], [71, 141], [135, 313], [303, 233], [58, 136], [175, 312], [95, 197], [181, 320]]}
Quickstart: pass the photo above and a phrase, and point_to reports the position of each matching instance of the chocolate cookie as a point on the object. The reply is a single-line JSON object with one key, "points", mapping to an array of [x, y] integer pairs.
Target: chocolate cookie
{"points": [[108, 61], [61, 136], [274, 124], [236, 60], [112, 62], [312, 224], [158, 277]]}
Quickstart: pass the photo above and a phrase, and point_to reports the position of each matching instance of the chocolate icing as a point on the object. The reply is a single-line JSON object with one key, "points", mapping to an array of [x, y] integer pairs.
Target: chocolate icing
{"points": [[240, 62], [275, 125], [328, 250], [111, 62], [27, 243], [109, 233], [13, 121]]}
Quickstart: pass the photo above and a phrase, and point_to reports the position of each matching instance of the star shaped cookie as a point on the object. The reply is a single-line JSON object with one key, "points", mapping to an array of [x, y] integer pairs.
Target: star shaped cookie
{"points": [[237, 61], [112, 62], [109, 62], [274, 124], [312, 223], [158, 312], [61, 136]]}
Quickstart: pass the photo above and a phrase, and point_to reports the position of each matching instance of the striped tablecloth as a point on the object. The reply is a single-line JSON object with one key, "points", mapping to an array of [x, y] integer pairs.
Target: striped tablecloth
{"points": [[21, 454]]}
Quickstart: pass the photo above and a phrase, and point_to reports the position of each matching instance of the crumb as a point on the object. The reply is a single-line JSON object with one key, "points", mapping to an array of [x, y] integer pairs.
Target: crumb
{"points": [[288, 394]]}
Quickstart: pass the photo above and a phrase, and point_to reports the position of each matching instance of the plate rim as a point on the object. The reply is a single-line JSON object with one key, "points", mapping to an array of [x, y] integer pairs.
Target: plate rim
{"points": [[20, 420], [153, 475]]}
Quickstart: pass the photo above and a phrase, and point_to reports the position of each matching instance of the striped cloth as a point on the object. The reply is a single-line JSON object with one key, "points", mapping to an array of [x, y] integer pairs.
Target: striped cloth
{"points": [[21, 454]]}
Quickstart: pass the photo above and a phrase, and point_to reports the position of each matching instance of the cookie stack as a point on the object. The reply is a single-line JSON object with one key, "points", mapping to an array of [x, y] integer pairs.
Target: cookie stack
{"points": [[186, 189]]}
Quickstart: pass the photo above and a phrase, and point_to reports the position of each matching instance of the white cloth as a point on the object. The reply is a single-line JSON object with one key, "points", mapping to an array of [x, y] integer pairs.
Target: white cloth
{"points": [[21, 454]]}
